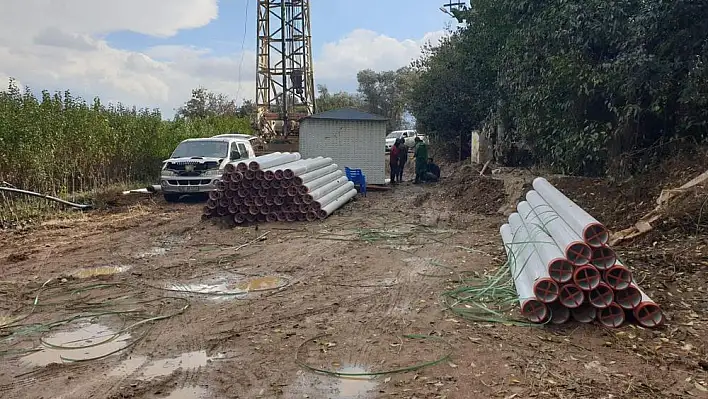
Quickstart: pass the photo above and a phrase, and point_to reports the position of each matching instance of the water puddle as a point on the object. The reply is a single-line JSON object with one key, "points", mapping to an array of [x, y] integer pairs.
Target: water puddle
{"points": [[261, 283], [87, 342], [188, 393], [98, 271], [229, 288], [143, 368], [154, 251], [354, 387], [323, 386]]}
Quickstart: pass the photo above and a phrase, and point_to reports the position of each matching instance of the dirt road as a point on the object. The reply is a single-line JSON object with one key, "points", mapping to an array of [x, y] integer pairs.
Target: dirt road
{"points": [[344, 295]]}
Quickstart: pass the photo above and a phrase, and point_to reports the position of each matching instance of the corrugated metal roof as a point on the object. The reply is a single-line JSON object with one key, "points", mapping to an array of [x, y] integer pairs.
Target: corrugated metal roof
{"points": [[347, 114]]}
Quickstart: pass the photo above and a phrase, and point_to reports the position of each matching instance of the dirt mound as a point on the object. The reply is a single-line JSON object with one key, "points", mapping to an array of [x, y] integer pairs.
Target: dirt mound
{"points": [[465, 190]]}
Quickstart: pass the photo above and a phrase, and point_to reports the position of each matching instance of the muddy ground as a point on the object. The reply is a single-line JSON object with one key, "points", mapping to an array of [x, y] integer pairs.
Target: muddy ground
{"points": [[343, 295]]}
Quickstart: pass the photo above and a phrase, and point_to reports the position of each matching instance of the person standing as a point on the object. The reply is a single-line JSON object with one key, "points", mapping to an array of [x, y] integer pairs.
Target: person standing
{"points": [[402, 159], [421, 159], [393, 161]]}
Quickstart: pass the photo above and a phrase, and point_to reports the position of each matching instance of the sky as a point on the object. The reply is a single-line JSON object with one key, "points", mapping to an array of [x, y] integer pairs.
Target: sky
{"points": [[152, 53]]}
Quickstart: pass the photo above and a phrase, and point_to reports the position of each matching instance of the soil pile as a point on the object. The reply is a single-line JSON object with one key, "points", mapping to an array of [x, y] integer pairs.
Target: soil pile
{"points": [[465, 190]]}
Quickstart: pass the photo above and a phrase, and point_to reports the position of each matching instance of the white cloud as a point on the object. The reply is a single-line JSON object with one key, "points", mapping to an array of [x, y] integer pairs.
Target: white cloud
{"points": [[57, 45]]}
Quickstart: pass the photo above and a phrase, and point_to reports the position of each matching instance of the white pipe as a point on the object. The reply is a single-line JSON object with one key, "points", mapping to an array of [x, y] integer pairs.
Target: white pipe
{"points": [[305, 167], [602, 296], [316, 174], [559, 268], [293, 164], [574, 248], [274, 161], [593, 232], [559, 313], [531, 308], [585, 313], [326, 189], [648, 313], [336, 193], [544, 288], [317, 183], [619, 277], [603, 257], [611, 316], [245, 162], [334, 205]]}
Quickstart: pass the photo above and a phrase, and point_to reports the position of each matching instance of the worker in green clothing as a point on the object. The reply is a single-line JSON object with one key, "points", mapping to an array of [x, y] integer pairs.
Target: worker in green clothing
{"points": [[421, 159]]}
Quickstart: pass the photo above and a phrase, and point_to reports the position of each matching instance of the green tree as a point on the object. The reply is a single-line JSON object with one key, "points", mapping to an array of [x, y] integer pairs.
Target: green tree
{"points": [[327, 101], [384, 93]]}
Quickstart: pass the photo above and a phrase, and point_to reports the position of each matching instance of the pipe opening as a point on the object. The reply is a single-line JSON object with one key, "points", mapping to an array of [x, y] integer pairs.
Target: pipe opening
{"points": [[220, 185], [260, 175], [288, 174], [611, 316], [236, 177], [279, 200], [602, 296], [269, 175], [239, 218], [247, 184], [290, 217], [584, 314], [596, 235], [249, 175], [311, 216], [648, 314], [628, 298], [270, 201], [559, 313], [603, 258], [302, 190], [618, 277], [250, 217], [297, 180], [230, 168], [578, 253], [535, 311], [242, 167], [253, 210], [560, 270], [292, 191], [258, 201], [229, 194], [256, 184], [285, 183], [307, 199], [253, 166], [271, 217], [545, 290], [221, 211], [215, 195], [279, 175], [322, 214], [587, 278], [301, 217], [571, 296]]}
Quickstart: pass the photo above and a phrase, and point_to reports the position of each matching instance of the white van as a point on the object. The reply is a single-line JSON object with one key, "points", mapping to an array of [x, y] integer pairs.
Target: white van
{"points": [[197, 164]]}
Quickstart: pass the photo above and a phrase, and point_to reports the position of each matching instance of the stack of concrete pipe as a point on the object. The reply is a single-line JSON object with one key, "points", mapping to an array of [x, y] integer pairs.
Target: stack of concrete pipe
{"points": [[563, 268], [279, 187]]}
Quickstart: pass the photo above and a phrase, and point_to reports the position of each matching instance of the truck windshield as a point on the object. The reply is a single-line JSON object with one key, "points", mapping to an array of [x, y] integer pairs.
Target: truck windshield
{"points": [[206, 149]]}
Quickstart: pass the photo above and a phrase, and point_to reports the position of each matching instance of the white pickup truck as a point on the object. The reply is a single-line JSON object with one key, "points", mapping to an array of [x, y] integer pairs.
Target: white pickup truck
{"points": [[197, 164], [407, 135]]}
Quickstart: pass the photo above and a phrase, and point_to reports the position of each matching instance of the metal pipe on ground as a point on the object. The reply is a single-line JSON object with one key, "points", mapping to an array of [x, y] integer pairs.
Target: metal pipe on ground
{"points": [[328, 188], [242, 166], [559, 313], [648, 314], [585, 313], [603, 257], [544, 288], [629, 298], [593, 232], [612, 316], [317, 183], [601, 296], [314, 164], [336, 204], [249, 175], [571, 296], [271, 217], [239, 218], [559, 268], [314, 175], [587, 277], [258, 164], [215, 195], [573, 247], [533, 309], [619, 277]]}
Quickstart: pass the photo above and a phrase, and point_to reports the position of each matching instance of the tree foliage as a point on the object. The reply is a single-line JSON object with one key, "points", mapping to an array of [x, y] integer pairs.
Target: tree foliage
{"points": [[327, 101], [583, 83], [384, 93], [59, 143]]}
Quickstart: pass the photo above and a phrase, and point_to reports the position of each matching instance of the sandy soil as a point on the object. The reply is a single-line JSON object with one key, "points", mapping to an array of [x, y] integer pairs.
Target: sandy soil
{"points": [[342, 295]]}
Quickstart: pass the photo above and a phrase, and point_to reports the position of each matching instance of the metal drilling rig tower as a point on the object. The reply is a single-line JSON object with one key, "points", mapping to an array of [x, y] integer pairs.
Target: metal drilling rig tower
{"points": [[285, 88]]}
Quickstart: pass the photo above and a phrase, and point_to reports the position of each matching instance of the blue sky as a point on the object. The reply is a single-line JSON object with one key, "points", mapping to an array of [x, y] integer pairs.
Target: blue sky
{"points": [[152, 53], [330, 21]]}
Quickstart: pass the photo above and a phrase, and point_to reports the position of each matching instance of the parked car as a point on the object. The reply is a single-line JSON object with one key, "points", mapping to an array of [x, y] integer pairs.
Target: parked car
{"points": [[197, 164], [407, 135]]}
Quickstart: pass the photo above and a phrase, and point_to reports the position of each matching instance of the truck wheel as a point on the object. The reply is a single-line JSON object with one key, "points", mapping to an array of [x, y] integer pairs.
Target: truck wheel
{"points": [[172, 197]]}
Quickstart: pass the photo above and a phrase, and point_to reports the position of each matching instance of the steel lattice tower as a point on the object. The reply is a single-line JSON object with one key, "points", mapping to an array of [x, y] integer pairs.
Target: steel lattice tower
{"points": [[285, 88]]}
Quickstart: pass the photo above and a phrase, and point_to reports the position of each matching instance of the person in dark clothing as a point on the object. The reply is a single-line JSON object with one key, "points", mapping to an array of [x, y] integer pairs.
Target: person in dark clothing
{"points": [[393, 161], [402, 159], [433, 172], [421, 159]]}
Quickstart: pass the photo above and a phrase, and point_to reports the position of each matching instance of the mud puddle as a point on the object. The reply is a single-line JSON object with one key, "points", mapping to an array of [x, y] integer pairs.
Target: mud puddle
{"points": [[188, 393], [88, 341], [224, 287], [144, 368], [344, 387], [98, 271]]}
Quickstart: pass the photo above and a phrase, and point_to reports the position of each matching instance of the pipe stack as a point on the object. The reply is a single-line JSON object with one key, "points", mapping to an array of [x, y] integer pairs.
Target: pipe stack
{"points": [[563, 268], [279, 187]]}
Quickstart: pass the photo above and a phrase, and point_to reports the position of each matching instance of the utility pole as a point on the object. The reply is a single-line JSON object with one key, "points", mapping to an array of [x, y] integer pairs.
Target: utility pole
{"points": [[285, 88]]}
